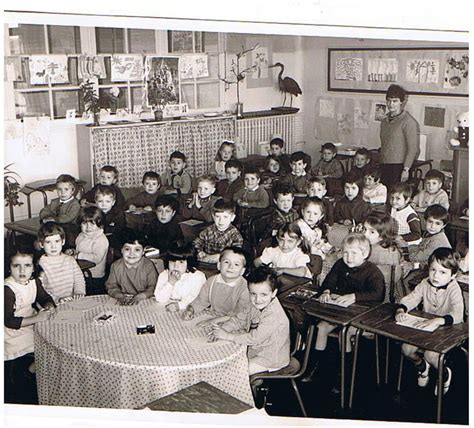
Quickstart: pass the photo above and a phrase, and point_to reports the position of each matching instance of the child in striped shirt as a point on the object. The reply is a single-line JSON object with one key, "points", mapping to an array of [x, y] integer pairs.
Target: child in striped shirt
{"points": [[62, 277]]}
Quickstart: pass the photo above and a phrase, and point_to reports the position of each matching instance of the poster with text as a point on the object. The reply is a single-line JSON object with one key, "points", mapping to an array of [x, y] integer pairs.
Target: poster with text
{"points": [[46, 69]]}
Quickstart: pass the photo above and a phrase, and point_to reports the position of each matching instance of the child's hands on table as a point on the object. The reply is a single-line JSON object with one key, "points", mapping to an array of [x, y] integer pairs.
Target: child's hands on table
{"points": [[325, 297], [400, 315], [137, 298], [188, 313], [347, 222], [435, 322], [172, 307]]}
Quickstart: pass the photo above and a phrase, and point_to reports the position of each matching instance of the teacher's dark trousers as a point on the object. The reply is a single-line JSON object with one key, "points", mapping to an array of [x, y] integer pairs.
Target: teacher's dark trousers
{"points": [[390, 173]]}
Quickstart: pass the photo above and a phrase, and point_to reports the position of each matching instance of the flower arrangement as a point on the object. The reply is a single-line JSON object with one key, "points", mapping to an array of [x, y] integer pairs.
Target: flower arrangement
{"points": [[160, 89]]}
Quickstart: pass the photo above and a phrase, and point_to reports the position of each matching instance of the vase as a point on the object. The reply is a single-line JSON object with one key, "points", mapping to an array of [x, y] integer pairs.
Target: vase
{"points": [[158, 115], [96, 117]]}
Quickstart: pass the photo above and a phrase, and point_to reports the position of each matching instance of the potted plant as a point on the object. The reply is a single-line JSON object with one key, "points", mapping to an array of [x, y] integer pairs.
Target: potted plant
{"points": [[11, 188], [160, 90], [91, 100]]}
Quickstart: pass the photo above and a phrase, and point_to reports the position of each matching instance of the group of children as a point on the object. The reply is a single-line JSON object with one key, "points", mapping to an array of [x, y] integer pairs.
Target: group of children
{"points": [[242, 295]]}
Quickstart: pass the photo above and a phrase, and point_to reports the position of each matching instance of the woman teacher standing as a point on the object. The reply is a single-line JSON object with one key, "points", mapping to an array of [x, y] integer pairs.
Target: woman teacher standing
{"points": [[400, 138]]}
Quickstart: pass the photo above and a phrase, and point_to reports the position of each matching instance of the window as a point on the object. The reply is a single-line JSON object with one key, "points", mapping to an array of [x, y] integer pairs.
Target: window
{"points": [[45, 99], [204, 92]]}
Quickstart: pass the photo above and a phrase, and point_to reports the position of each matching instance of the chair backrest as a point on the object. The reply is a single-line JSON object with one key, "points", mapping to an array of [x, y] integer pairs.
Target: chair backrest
{"points": [[392, 275], [260, 228]]}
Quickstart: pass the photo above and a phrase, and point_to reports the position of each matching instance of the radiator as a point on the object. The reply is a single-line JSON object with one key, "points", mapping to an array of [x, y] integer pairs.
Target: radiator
{"points": [[259, 130]]}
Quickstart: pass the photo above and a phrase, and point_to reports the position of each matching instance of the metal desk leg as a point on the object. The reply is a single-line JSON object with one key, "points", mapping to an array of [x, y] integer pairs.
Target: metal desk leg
{"points": [[354, 366], [342, 338], [377, 365], [400, 372], [440, 387], [386, 360], [28, 204]]}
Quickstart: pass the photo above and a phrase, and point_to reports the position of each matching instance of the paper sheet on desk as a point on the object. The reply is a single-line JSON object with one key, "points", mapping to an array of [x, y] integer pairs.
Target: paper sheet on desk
{"points": [[191, 222], [415, 322], [67, 317], [333, 301]]}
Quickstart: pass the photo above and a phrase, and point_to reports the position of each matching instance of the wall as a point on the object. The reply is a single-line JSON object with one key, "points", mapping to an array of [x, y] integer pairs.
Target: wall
{"points": [[315, 83]]}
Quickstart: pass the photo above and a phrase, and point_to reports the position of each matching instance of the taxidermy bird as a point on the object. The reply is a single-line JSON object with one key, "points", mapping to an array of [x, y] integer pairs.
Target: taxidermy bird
{"points": [[287, 85]]}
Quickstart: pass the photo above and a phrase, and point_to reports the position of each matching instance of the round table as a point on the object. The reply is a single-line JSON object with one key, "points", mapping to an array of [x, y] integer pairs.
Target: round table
{"points": [[83, 364]]}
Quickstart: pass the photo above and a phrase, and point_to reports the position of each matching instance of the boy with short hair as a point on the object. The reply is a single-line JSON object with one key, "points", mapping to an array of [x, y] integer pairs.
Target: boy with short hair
{"points": [[433, 192], [133, 277], [177, 180], [108, 176], [374, 192], [105, 199], [64, 209], [147, 198], [352, 278], [164, 228], [276, 149], [406, 218], [202, 202], [264, 327], [253, 195], [233, 182], [222, 234], [361, 163], [62, 277], [316, 187], [440, 295], [225, 293], [328, 166], [298, 178], [351, 209], [283, 211]]}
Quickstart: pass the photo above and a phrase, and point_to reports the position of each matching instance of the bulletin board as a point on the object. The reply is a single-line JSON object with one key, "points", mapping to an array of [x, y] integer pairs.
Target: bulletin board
{"points": [[421, 71]]}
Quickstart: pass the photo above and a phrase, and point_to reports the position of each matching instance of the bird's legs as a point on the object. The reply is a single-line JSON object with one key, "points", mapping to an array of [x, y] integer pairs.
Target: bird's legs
{"points": [[291, 100], [284, 99]]}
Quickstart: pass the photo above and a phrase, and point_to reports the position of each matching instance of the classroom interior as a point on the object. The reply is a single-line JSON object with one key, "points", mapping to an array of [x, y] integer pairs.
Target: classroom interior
{"points": [[47, 132]]}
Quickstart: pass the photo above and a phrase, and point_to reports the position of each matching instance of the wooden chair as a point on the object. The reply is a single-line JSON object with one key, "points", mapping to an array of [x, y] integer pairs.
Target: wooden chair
{"points": [[292, 371], [259, 229]]}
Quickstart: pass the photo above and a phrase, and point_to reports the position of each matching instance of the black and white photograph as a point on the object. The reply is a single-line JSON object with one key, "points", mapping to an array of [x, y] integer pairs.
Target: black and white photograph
{"points": [[164, 259]]}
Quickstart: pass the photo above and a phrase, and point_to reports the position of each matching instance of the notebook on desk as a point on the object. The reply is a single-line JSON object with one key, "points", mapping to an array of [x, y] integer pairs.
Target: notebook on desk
{"points": [[417, 323]]}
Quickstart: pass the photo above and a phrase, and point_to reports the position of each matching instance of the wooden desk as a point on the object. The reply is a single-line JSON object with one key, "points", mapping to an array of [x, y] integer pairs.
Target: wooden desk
{"points": [[29, 226], [288, 282], [341, 317], [200, 398], [381, 321]]}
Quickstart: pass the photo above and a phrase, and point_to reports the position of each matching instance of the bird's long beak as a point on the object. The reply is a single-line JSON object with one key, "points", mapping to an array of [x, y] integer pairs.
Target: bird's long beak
{"points": [[271, 66]]}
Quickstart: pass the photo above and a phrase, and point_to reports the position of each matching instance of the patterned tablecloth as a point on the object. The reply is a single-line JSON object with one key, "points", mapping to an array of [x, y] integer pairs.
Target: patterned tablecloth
{"points": [[82, 364]]}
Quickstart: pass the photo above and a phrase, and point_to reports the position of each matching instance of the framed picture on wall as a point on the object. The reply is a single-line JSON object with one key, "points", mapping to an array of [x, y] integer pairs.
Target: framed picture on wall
{"points": [[421, 71]]}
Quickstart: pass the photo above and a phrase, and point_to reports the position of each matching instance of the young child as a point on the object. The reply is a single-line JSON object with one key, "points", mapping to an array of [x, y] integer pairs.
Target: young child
{"points": [[62, 277], [222, 234], [313, 229], [65, 208], [200, 206], [352, 278], [265, 324], [440, 295], [407, 220], [328, 166], [92, 245], [298, 178], [433, 193], [133, 277], [225, 293], [164, 228], [21, 291], [253, 195], [276, 149], [177, 180], [283, 211], [180, 283], [114, 225], [416, 268], [225, 153], [288, 257], [317, 188], [378, 229], [351, 209], [233, 182], [361, 163], [108, 176], [374, 192], [145, 200], [273, 173]]}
